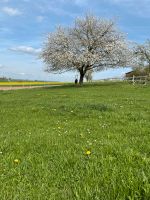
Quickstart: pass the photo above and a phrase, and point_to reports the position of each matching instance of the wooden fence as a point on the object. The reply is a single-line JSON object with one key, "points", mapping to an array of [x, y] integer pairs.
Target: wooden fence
{"points": [[138, 79], [134, 79]]}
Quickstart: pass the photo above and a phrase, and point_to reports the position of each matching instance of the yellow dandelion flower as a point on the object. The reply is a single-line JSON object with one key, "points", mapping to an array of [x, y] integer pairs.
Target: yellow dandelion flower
{"points": [[16, 161], [88, 152]]}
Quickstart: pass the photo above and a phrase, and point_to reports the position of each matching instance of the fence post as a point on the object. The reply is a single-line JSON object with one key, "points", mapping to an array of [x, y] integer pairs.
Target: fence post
{"points": [[145, 80], [133, 80]]}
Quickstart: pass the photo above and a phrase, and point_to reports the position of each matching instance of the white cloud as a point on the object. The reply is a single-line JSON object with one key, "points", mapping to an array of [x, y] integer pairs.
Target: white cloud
{"points": [[80, 2], [57, 7], [77, 2], [61, 12], [2, 66], [137, 7], [40, 18], [11, 11], [5, 30], [4, 1], [26, 50]]}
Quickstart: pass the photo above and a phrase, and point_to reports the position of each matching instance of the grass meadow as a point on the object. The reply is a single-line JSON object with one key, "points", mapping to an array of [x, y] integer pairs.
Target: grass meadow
{"points": [[75, 143]]}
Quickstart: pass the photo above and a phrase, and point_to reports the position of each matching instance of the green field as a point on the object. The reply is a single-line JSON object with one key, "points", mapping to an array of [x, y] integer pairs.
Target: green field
{"points": [[45, 134]]}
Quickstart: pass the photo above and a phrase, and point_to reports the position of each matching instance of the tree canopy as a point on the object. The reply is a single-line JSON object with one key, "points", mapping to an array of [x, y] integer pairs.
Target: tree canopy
{"points": [[142, 55], [92, 43]]}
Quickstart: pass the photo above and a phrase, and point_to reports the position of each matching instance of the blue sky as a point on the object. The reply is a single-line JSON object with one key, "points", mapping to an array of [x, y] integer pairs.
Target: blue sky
{"points": [[24, 23]]}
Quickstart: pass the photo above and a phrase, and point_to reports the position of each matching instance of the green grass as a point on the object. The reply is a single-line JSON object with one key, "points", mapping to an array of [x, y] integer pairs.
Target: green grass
{"points": [[49, 131]]}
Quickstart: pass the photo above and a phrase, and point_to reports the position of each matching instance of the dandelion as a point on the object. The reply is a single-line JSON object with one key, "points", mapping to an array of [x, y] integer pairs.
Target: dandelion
{"points": [[88, 152], [16, 161], [88, 130], [72, 111]]}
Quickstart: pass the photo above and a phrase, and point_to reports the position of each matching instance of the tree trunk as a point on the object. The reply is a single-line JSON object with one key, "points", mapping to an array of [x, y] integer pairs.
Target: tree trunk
{"points": [[81, 78]]}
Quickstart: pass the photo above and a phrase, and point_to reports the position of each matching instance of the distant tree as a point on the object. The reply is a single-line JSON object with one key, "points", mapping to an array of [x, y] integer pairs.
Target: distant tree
{"points": [[91, 44], [138, 72], [142, 56], [88, 75]]}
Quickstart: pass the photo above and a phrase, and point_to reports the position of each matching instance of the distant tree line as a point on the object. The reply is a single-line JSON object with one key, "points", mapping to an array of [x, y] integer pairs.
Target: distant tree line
{"points": [[139, 71]]}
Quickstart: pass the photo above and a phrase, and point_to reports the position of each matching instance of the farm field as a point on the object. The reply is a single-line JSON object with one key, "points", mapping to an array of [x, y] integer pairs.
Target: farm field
{"points": [[28, 83], [75, 143]]}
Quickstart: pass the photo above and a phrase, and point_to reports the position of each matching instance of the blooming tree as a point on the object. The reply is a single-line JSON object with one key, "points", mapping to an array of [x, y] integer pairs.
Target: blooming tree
{"points": [[90, 44], [142, 55]]}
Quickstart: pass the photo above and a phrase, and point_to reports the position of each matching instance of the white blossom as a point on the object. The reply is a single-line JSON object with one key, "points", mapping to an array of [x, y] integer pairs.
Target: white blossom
{"points": [[91, 44], [142, 55]]}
